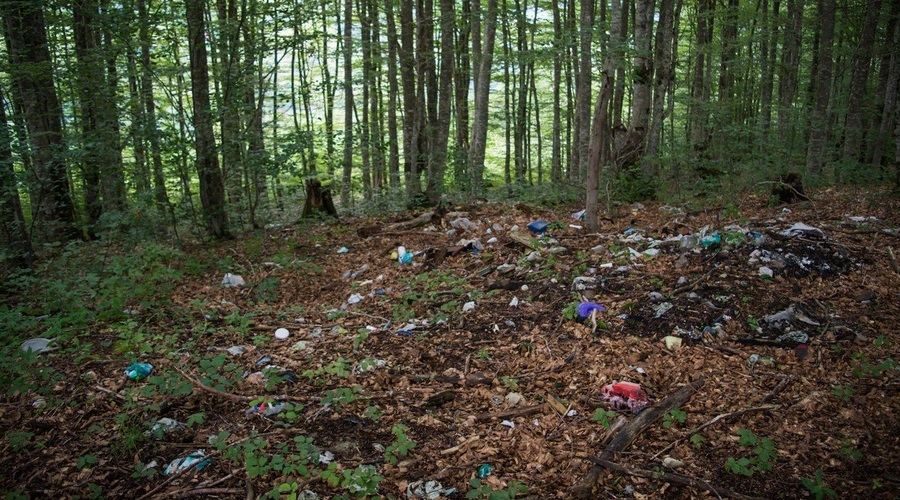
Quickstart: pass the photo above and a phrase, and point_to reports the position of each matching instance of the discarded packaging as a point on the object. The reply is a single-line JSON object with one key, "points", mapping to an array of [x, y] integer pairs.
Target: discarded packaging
{"points": [[343, 250], [661, 309], [485, 470], [355, 299], [579, 215], [137, 371], [37, 345], [766, 272], [266, 409], [468, 306], [236, 350], [625, 396], [672, 342], [231, 280], [587, 309], [801, 229], [538, 226], [428, 490], [282, 333], [196, 460], [672, 463], [463, 224], [711, 240], [166, 425]]}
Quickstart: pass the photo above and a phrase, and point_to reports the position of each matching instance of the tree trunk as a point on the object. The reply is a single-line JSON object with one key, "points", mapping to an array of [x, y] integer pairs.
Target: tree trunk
{"points": [[889, 107], [256, 159], [365, 143], [815, 157], [664, 77], [643, 67], [558, 54], [618, 96], [700, 84], [787, 73], [768, 50], [442, 132], [461, 84], [479, 127], [212, 189], [410, 101], [600, 129], [148, 128], [16, 242], [348, 104], [583, 93], [394, 149], [31, 72], [858, 83], [508, 86]]}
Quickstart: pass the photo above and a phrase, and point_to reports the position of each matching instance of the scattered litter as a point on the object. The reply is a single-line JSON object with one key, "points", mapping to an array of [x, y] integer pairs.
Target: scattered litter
{"points": [[672, 342], [343, 250], [39, 403], [37, 345], [326, 457], [579, 215], [508, 423], [672, 463], [468, 306], [538, 226], [196, 460], [403, 256], [860, 219], [428, 490], [662, 308], [801, 351], [165, 425], [357, 273], [625, 395], [514, 302], [263, 360], [282, 333], [766, 272], [231, 280], [756, 359], [588, 309], [463, 224], [492, 240], [513, 398], [137, 371], [801, 229], [369, 365], [581, 283], [485, 470], [797, 336], [236, 350], [355, 299], [711, 241], [266, 409], [598, 249]]}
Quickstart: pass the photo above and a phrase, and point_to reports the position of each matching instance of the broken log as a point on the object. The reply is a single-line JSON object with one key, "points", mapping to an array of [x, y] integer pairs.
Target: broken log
{"points": [[587, 487], [669, 478], [318, 199]]}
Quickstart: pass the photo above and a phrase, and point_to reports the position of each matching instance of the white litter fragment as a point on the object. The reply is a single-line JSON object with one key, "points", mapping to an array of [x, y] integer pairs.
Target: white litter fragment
{"points": [[468, 306], [231, 280]]}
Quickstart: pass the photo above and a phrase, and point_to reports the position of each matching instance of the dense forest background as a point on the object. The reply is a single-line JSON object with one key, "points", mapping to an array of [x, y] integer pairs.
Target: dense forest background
{"points": [[153, 114]]}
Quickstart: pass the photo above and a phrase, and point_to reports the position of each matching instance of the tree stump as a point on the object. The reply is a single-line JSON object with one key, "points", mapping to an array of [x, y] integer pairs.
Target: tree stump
{"points": [[318, 199]]}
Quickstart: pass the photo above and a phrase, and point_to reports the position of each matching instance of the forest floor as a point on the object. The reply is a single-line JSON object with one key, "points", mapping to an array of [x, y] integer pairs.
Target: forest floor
{"points": [[393, 383]]}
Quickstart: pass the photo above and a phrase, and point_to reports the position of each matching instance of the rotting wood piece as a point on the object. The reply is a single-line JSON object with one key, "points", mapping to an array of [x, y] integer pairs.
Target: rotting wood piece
{"points": [[668, 477], [587, 487], [318, 199]]}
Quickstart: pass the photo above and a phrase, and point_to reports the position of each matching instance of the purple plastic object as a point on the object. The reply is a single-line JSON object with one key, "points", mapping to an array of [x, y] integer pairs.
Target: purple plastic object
{"points": [[585, 308]]}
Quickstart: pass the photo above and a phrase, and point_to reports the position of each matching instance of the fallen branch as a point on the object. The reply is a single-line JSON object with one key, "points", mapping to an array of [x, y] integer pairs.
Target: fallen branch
{"points": [[894, 264], [778, 388], [589, 484], [668, 477], [207, 491], [206, 388], [711, 422], [460, 446]]}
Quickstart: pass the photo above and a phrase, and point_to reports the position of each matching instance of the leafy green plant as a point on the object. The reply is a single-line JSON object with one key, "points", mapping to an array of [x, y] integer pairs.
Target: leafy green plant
{"points": [[483, 490], [753, 323], [483, 354], [19, 440], [361, 335], [848, 451], [817, 487], [764, 450], [843, 392], [340, 396], [510, 383], [86, 461], [676, 415], [372, 412], [603, 416], [697, 440], [401, 445], [570, 312]]}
